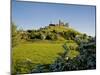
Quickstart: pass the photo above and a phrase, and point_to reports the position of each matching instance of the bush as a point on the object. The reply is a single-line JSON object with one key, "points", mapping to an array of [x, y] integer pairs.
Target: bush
{"points": [[22, 66], [16, 36]]}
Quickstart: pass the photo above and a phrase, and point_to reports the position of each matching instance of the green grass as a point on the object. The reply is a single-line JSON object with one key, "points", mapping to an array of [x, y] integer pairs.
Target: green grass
{"points": [[43, 52]]}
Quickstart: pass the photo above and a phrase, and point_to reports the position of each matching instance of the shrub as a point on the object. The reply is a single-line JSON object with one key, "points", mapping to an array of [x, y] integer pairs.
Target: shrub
{"points": [[22, 66]]}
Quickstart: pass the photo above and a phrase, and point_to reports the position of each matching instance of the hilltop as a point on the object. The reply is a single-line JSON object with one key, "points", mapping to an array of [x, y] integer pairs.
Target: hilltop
{"points": [[60, 31]]}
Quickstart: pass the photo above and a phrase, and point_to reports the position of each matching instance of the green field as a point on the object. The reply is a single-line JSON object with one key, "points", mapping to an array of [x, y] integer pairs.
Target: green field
{"points": [[44, 52]]}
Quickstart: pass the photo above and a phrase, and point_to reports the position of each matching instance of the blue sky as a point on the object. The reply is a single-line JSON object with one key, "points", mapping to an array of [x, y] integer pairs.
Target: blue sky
{"points": [[31, 15]]}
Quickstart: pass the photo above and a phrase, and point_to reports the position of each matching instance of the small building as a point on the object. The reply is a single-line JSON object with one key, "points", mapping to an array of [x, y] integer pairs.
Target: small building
{"points": [[52, 25], [60, 23]]}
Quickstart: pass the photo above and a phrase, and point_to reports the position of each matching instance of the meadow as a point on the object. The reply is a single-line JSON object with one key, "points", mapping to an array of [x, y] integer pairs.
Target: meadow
{"points": [[41, 52]]}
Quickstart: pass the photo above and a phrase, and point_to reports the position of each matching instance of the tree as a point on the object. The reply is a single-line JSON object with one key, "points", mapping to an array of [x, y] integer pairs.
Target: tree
{"points": [[42, 36], [51, 36], [16, 37]]}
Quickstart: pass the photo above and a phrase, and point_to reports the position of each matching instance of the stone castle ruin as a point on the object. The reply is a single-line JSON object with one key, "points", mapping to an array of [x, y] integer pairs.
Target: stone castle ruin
{"points": [[59, 24]]}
